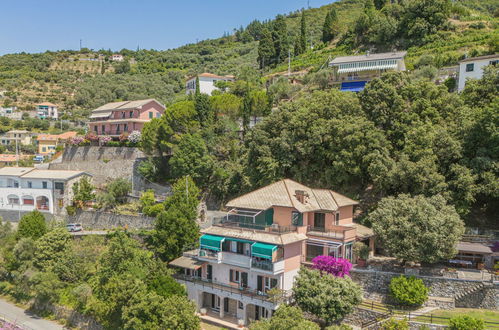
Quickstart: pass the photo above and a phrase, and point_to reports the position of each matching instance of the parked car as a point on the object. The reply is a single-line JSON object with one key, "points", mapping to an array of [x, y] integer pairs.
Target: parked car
{"points": [[74, 227]]}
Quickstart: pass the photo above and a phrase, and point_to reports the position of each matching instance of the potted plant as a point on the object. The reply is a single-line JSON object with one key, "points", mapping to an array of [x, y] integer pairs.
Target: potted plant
{"points": [[362, 252]]}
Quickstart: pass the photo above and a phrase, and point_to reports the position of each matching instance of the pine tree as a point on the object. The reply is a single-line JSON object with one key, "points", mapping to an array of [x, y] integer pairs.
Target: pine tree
{"points": [[329, 30], [280, 37], [301, 43], [266, 51]]}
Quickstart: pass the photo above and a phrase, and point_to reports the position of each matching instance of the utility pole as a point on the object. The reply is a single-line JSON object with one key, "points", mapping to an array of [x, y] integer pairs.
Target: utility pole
{"points": [[289, 62]]}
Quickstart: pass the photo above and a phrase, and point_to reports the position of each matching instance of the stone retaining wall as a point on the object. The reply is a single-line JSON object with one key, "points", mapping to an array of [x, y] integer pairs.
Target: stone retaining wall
{"points": [[103, 220], [72, 318], [13, 216], [376, 284]]}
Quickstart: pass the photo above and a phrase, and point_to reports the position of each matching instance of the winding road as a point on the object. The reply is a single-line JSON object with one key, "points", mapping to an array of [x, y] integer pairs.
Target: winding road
{"points": [[24, 319]]}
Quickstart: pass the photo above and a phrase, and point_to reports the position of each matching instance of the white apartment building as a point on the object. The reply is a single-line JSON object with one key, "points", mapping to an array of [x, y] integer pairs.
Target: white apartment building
{"points": [[117, 58], [472, 68], [25, 189], [206, 83], [22, 137], [47, 110]]}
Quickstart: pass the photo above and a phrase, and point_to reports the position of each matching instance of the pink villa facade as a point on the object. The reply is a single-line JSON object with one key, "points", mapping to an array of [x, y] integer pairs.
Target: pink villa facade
{"points": [[117, 118], [261, 243]]}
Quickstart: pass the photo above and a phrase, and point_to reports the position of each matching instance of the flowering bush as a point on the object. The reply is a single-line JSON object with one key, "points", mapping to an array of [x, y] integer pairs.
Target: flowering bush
{"points": [[4, 325], [335, 266], [135, 137], [104, 139], [123, 137], [76, 140], [92, 137]]}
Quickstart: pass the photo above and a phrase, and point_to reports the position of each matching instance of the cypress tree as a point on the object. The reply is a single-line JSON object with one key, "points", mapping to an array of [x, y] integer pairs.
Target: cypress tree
{"points": [[330, 25], [301, 43], [280, 37], [266, 51], [198, 91]]}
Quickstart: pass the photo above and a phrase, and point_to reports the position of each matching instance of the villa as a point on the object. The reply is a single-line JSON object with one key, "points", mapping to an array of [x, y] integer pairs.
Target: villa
{"points": [[207, 83]]}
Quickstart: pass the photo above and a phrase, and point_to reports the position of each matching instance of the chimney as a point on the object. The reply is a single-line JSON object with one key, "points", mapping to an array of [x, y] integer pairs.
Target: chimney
{"points": [[301, 196]]}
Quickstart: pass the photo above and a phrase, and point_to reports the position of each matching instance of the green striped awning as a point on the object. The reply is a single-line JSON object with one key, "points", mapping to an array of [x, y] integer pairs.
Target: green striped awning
{"points": [[263, 250], [211, 242]]}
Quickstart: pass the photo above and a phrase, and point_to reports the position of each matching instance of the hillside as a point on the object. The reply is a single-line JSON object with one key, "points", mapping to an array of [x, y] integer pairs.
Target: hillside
{"points": [[80, 81]]}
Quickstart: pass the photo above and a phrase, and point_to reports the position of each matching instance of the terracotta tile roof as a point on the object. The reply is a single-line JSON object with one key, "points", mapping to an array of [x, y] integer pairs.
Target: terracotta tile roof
{"points": [[125, 105], [211, 75], [473, 248], [285, 193], [55, 137]]}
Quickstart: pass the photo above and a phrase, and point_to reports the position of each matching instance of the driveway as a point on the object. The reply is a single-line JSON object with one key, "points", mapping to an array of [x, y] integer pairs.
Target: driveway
{"points": [[22, 318]]}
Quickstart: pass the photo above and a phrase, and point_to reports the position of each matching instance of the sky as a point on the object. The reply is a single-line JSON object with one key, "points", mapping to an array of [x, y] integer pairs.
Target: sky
{"points": [[40, 25]]}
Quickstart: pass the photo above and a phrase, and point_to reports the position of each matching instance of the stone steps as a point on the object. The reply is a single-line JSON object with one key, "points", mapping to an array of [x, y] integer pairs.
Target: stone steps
{"points": [[473, 289]]}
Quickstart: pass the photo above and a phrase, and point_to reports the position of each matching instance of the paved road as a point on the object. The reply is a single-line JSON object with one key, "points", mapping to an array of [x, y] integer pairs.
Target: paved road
{"points": [[20, 317]]}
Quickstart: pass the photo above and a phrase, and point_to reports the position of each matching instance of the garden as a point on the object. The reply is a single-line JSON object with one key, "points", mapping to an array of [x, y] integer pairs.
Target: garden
{"points": [[131, 140]]}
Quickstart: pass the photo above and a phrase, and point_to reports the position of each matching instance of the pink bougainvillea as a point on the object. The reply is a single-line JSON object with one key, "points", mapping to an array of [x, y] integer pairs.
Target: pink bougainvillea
{"points": [[105, 139], [76, 140], [335, 266]]}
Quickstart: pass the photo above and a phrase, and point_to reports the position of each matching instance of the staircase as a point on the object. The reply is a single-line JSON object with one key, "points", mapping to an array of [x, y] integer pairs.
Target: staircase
{"points": [[470, 296]]}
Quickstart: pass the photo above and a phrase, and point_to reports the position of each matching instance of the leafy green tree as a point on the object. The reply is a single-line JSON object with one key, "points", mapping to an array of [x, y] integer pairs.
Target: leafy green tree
{"points": [[51, 248], [394, 324], [155, 312], [83, 192], [424, 17], [285, 317], [176, 228], [418, 229], [226, 104], [32, 225], [166, 286], [409, 291], [118, 189], [191, 157], [46, 286], [330, 28], [466, 322], [325, 296], [266, 50]]}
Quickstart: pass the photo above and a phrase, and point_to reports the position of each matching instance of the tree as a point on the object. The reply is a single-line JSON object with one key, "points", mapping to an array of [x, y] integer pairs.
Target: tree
{"points": [[330, 265], [280, 38], [409, 291], [153, 312], [119, 188], [330, 28], [176, 229], [83, 192], [266, 50], [51, 248], [205, 114], [379, 4], [466, 322], [424, 17], [325, 296], [191, 158], [418, 229], [32, 225], [301, 42], [226, 104], [285, 317]]}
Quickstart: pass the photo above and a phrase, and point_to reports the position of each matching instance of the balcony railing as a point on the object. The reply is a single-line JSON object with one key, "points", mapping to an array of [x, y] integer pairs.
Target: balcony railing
{"points": [[232, 289], [263, 265], [232, 221], [339, 232]]}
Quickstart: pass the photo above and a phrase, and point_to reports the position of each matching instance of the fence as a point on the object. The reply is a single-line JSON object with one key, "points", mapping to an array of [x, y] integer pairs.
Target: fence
{"points": [[387, 311]]}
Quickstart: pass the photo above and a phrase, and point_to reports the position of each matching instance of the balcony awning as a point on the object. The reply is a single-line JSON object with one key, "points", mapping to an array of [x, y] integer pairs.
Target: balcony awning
{"points": [[211, 242], [263, 250], [353, 86], [100, 114], [368, 68]]}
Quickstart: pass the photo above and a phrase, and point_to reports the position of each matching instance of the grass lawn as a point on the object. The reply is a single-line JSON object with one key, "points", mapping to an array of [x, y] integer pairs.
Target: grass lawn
{"points": [[206, 326], [484, 314]]}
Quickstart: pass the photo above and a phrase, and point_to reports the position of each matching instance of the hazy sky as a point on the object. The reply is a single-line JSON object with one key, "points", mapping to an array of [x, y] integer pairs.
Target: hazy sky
{"points": [[39, 25]]}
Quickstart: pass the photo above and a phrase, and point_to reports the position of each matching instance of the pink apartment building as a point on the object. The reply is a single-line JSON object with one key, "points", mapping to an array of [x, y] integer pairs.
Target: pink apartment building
{"points": [[260, 245], [117, 118]]}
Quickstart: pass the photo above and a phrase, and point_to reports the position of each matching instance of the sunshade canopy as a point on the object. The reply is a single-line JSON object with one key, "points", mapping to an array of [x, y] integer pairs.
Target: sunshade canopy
{"points": [[263, 250]]}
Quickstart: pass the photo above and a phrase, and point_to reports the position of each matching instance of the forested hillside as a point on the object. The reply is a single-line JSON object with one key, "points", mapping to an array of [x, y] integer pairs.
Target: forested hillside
{"points": [[81, 80]]}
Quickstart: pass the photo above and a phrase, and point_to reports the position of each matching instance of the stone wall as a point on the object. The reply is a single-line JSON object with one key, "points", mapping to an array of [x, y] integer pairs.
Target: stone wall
{"points": [[376, 286], [72, 318], [13, 216], [103, 220]]}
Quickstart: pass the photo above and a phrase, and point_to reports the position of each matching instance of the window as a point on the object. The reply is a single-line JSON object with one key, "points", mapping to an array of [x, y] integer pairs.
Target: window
{"points": [[314, 251], [296, 218], [125, 127], [16, 184], [44, 184], [59, 186], [13, 200], [30, 184], [234, 276], [150, 114], [96, 129], [158, 115], [319, 220], [470, 67], [123, 114], [44, 149], [240, 305], [103, 129], [494, 63], [337, 218], [131, 114]]}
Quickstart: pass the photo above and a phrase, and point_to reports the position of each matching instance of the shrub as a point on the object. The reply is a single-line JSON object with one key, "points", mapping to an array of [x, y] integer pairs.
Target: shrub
{"points": [[335, 266], [76, 140], [394, 324], [465, 322], [409, 291], [361, 250], [71, 210], [135, 137], [32, 225], [113, 144]]}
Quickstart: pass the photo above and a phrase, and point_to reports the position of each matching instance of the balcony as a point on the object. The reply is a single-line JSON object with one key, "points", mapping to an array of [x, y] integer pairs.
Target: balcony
{"points": [[236, 259], [337, 232], [234, 291], [205, 255]]}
